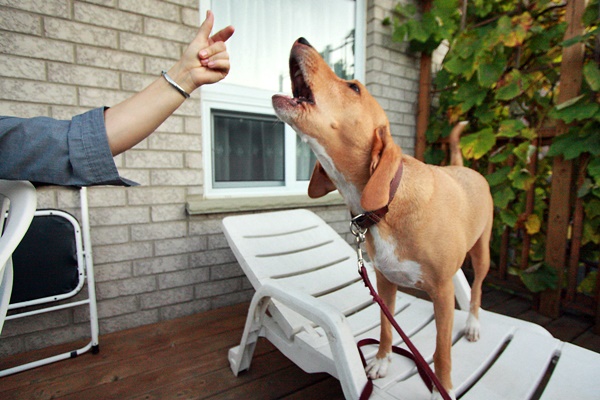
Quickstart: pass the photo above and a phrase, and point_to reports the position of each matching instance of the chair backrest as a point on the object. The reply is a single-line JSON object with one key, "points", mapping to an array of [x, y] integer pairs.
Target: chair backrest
{"points": [[17, 206]]}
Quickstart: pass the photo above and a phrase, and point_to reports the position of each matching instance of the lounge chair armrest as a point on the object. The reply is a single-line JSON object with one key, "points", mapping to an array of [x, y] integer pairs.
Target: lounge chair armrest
{"points": [[332, 321]]}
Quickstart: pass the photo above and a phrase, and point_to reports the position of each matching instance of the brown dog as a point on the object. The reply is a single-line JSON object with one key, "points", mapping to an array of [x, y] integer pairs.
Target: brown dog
{"points": [[437, 214]]}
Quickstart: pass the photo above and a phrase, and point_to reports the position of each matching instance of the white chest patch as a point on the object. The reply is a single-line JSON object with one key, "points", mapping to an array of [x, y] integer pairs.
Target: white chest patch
{"points": [[401, 272]]}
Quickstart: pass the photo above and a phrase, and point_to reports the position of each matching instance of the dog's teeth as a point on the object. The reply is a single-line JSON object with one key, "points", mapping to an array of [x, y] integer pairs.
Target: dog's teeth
{"points": [[298, 73]]}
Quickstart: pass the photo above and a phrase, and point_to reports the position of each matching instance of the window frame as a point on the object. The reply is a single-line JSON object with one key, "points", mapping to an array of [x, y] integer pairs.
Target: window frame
{"points": [[237, 98]]}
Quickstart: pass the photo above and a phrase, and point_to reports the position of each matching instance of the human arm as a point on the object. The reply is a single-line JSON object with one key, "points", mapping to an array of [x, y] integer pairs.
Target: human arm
{"points": [[205, 61]]}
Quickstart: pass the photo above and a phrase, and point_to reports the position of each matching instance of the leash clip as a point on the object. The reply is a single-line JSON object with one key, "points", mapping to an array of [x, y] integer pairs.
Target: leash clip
{"points": [[359, 234]]}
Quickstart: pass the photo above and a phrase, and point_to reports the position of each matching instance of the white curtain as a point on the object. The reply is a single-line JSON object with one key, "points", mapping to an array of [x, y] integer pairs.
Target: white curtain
{"points": [[266, 30]]}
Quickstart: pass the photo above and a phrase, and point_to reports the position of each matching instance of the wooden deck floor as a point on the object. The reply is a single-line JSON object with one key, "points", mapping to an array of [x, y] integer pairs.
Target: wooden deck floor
{"points": [[187, 358]]}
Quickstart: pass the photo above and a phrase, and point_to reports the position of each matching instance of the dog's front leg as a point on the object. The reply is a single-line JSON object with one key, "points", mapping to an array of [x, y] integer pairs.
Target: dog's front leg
{"points": [[443, 306], [378, 366]]}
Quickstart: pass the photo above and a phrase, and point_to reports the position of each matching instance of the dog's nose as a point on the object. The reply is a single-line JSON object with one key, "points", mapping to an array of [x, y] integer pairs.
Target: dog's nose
{"points": [[304, 42]]}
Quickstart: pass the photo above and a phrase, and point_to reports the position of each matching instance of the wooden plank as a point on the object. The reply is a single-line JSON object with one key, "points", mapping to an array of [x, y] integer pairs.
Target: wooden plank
{"points": [[562, 170]]}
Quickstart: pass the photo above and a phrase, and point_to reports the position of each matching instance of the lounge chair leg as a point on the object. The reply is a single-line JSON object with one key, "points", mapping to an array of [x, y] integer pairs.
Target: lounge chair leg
{"points": [[240, 356]]}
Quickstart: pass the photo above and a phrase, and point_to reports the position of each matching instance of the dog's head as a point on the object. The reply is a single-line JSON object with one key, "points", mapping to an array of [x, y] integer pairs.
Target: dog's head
{"points": [[345, 127]]}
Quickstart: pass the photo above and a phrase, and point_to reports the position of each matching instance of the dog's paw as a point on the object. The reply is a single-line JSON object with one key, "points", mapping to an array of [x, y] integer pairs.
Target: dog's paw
{"points": [[472, 328], [435, 395], [378, 367]]}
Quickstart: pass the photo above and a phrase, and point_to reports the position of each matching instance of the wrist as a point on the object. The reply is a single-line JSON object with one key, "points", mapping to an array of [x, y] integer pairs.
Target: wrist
{"points": [[182, 78]]}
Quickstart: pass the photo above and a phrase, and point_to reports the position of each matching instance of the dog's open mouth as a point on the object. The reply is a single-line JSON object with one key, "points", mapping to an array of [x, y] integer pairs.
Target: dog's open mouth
{"points": [[300, 89]]}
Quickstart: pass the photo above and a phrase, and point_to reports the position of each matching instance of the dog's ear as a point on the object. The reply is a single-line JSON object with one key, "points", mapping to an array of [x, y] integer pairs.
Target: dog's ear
{"points": [[385, 159], [319, 184]]}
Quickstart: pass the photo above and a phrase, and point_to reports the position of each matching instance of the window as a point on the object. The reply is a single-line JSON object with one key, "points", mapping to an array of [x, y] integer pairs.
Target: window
{"points": [[246, 149]]}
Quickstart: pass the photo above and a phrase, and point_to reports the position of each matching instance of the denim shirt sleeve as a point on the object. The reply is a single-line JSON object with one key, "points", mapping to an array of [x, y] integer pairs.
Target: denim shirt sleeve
{"points": [[49, 151]]}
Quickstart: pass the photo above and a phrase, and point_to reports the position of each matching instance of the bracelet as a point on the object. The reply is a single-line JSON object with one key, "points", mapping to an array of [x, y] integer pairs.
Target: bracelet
{"points": [[175, 85]]}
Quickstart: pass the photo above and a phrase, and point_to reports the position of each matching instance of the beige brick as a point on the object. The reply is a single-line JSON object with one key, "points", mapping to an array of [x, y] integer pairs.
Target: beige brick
{"points": [[111, 59], [212, 257], [206, 227], [17, 21], [175, 142], [157, 231], [191, 17], [108, 17], [152, 8], [193, 160], [23, 110], [169, 30], [37, 92], [122, 252], [168, 213], [118, 306], [83, 76], [119, 216], [157, 265], [125, 287], [155, 195], [112, 272], [183, 278], [175, 177], [179, 246], [167, 297], [147, 45], [95, 97], [102, 235], [153, 159], [79, 33], [35, 47], [46, 7], [107, 196], [193, 125], [136, 82], [18, 67]]}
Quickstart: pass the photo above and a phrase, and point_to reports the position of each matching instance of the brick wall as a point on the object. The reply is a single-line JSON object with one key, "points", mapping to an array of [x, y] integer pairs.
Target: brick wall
{"points": [[153, 262]]}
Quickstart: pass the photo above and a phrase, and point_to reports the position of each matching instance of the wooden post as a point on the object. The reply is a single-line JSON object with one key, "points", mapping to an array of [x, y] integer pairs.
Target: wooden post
{"points": [[424, 103], [562, 170]]}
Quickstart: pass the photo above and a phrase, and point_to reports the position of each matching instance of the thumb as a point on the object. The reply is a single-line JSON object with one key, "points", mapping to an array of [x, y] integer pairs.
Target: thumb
{"points": [[207, 25]]}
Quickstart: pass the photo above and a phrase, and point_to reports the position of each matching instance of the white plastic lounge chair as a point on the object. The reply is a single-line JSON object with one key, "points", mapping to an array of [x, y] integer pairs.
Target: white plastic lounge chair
{"points": [[17, 206], [51, 265], [311, 304]]}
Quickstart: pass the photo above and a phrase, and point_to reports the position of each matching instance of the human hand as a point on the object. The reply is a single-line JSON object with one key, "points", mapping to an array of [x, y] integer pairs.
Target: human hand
{"points": [[206, 59]]}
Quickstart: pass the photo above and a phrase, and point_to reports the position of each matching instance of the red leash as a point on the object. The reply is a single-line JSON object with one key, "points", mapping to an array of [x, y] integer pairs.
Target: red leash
{"points": [[427, 375]]}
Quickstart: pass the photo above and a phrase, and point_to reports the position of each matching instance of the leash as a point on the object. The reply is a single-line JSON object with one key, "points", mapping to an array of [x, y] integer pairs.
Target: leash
{"points": [[427, 375]]}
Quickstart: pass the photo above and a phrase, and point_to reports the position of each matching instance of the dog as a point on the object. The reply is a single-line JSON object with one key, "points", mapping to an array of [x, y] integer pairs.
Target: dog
{"points": [[435, 216]]}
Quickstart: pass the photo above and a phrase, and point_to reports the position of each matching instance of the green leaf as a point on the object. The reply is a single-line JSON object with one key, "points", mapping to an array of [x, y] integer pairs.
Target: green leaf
{"points": [[478, 144], [521, 178], [571, 145], [594, 169], [510, 128], [588, 284], [499, 176], [592, 208], [591, 72], [509, 218], [579, 110], [508, 92], [502, 197], [491, 69], [539, 277]]}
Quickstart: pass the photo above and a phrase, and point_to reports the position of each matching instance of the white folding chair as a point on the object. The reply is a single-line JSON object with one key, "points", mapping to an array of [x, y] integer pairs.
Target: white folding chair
{"points": [[51, 266]]}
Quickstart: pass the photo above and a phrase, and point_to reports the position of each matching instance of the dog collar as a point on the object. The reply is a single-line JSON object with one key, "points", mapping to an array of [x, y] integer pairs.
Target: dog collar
{"points": [[368, 219]]}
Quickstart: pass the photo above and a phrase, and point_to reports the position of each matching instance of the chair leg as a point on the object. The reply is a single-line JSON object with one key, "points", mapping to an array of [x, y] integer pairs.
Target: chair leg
{"points": [[240, 356]]}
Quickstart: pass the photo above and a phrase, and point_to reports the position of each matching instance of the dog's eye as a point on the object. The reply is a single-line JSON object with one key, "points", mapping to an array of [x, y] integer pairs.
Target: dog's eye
{"points": [[354, 87]]}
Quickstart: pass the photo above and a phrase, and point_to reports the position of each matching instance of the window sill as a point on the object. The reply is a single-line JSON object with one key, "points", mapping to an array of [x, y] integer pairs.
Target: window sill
{"points": [[197, 205]]}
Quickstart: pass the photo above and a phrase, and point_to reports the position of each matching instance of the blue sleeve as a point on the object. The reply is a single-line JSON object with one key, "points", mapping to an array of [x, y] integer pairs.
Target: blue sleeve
{"points": [[49, 151]]}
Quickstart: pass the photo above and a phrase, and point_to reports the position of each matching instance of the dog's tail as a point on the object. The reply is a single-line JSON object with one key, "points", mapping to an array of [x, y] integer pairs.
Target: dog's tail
{"points": [[454, 140]]}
